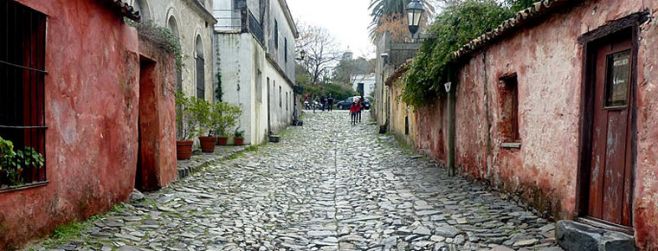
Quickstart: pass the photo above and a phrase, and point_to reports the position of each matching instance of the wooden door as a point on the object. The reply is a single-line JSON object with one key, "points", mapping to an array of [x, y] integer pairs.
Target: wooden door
{"points": [[610, 172]]}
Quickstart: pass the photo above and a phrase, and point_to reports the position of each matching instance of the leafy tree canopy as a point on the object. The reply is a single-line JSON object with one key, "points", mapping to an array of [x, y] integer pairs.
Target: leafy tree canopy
{"points": [[454, 27]]}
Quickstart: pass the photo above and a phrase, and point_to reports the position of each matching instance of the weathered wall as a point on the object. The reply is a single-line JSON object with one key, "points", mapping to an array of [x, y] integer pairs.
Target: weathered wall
{"points": [[281, 99], [91, 113], [242, 58], [190, 24], [238, 69], [276, 12], [399, 111], [646, 179], [544, 170], [157, 116]]}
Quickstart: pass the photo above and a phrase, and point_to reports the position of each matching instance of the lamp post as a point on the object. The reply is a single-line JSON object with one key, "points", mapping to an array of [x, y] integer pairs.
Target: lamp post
{"points": [[302, 55], [415, 12]]}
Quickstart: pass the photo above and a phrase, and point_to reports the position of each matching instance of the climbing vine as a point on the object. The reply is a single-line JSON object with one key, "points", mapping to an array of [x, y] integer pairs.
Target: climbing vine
{"points": [[454, 27], [161, 36]]}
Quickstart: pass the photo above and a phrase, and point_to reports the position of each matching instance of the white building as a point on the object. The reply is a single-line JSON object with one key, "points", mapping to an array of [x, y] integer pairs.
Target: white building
{"points": [[255, 55], [192, 22], [368, 81]]}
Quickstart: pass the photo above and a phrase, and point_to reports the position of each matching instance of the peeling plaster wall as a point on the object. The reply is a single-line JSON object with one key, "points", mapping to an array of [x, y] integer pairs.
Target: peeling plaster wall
{"points": [[157, 116], [548, 61], [646, 179], [91, 112]]}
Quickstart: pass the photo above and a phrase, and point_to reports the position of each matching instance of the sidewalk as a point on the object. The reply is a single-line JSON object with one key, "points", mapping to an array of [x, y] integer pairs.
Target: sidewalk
{"points": [[198, 161]]}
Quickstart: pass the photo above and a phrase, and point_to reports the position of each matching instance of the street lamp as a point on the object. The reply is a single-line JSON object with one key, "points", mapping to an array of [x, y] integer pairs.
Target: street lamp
{"points": [[302, 55], [414, 13]]}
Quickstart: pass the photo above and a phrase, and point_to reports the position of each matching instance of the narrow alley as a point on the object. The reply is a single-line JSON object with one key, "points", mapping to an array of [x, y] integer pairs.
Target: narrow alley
{"points": [[327, 186]]}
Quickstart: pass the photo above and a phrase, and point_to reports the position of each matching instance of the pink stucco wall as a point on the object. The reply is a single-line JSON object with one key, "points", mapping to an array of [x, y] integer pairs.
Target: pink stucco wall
{"points": [[92, 108], [548, 61]]}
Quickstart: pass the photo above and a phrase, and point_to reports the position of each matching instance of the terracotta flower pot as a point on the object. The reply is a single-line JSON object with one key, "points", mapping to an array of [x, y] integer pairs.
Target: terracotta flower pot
{"points": [[208, 144], [222, 141], [184, 149], [238, 141]]}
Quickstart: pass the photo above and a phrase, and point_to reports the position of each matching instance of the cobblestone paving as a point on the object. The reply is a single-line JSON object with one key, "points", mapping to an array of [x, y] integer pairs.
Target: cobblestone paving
{"points": [[326, 186]]}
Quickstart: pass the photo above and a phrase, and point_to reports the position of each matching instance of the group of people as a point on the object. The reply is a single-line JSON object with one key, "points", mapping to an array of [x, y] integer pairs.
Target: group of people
{"points": [[327, 103], [324, 104], [355, 110]]}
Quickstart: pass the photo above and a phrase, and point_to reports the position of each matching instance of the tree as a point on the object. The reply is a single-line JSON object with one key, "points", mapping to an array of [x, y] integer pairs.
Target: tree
{"points": [[454, 27], [393, 11], [321, 51], [518, 5], [347, 69]]}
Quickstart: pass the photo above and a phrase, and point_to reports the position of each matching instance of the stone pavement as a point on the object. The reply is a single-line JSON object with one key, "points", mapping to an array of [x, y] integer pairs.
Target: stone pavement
{"points": [[326, 186]]}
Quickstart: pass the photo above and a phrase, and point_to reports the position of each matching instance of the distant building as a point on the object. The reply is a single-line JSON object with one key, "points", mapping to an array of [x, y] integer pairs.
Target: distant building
{"points": [[255, 55], [365, 83]]}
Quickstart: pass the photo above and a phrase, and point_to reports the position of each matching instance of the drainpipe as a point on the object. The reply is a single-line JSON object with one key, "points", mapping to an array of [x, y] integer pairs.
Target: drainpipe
{"points": [[450, 89]]}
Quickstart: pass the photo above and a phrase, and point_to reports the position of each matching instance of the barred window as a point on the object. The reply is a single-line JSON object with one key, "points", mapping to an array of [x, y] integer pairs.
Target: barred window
{"points": [[22, 72]]}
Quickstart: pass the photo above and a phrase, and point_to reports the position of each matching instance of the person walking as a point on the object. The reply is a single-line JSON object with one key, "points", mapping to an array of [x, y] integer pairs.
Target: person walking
{"points": [[354, 110], [330, 102], [360, 108], [323, 102]]}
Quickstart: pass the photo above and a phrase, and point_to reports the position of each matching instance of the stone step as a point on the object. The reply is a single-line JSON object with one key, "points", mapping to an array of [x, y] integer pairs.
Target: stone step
{"points": [[575, 236]]}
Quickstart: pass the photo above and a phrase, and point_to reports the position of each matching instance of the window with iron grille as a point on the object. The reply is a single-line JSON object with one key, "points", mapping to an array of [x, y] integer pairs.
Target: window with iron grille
{"points": [[22, 73]]}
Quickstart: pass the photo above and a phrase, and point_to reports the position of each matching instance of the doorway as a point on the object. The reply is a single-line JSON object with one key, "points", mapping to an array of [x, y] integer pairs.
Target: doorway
{"points": [[146, 175], [607, 169]]}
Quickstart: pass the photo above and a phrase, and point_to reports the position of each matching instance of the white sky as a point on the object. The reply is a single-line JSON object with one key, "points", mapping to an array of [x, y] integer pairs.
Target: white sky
{"points": [[346, 20]]}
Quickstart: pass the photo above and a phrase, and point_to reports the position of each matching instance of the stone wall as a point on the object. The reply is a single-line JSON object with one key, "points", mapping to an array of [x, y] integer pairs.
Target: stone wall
{"points": [[544, 170], [92, 94]]}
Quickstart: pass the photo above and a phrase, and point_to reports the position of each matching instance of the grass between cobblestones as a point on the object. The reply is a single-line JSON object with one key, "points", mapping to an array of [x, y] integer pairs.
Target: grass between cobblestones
{"points": [[71, 231]]}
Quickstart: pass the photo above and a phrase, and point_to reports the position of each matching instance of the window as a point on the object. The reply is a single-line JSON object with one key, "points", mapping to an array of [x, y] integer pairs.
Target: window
{"points": [[287, 98], [285, 49], [509, 109], [200, 70], [618, 75], [22, 73], [280, 100], [276, 34], [259, 87]]}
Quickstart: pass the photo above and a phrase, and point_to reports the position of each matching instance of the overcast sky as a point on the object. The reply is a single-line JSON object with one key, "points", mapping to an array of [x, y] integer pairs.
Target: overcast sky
{"points": [[347, 20]]}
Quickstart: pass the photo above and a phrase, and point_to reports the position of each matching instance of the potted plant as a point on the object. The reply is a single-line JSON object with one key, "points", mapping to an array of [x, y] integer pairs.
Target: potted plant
{"points": [[224, 116], [238, 137], [201, 112], [13, 163], [186, 127]]}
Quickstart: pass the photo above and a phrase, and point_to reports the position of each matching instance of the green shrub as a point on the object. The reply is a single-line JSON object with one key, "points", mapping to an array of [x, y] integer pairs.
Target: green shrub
{"points": [[453, 28]]}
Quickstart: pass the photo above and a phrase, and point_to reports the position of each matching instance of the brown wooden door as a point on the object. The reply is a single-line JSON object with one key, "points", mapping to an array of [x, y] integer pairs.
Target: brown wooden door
{"points": [[610, 177]]}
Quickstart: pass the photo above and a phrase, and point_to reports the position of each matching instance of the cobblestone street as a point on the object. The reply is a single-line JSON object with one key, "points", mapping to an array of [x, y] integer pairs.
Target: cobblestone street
{"points": [[326, 186]]}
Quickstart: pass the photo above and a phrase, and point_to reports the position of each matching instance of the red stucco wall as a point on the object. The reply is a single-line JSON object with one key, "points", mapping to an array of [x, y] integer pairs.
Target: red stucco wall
{"points": [[92, 104], [157, 116], [548, 61]]}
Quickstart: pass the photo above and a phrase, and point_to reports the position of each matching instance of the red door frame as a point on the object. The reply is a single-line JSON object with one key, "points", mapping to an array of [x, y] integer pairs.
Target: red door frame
{"points": [[589, 41]]}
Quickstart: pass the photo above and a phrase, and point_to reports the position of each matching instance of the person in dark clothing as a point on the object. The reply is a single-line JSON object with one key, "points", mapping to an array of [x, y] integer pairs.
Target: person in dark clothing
{"points": [[323, 103], [330, 103], [360, 106]]}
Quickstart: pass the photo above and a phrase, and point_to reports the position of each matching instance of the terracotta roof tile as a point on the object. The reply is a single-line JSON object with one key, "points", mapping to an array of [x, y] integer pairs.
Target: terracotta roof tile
{"points": [[126, 9]]}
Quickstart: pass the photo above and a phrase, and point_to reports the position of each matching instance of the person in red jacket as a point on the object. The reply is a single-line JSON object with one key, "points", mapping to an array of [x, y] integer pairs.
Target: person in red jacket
{"points": [[354, 111]]}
